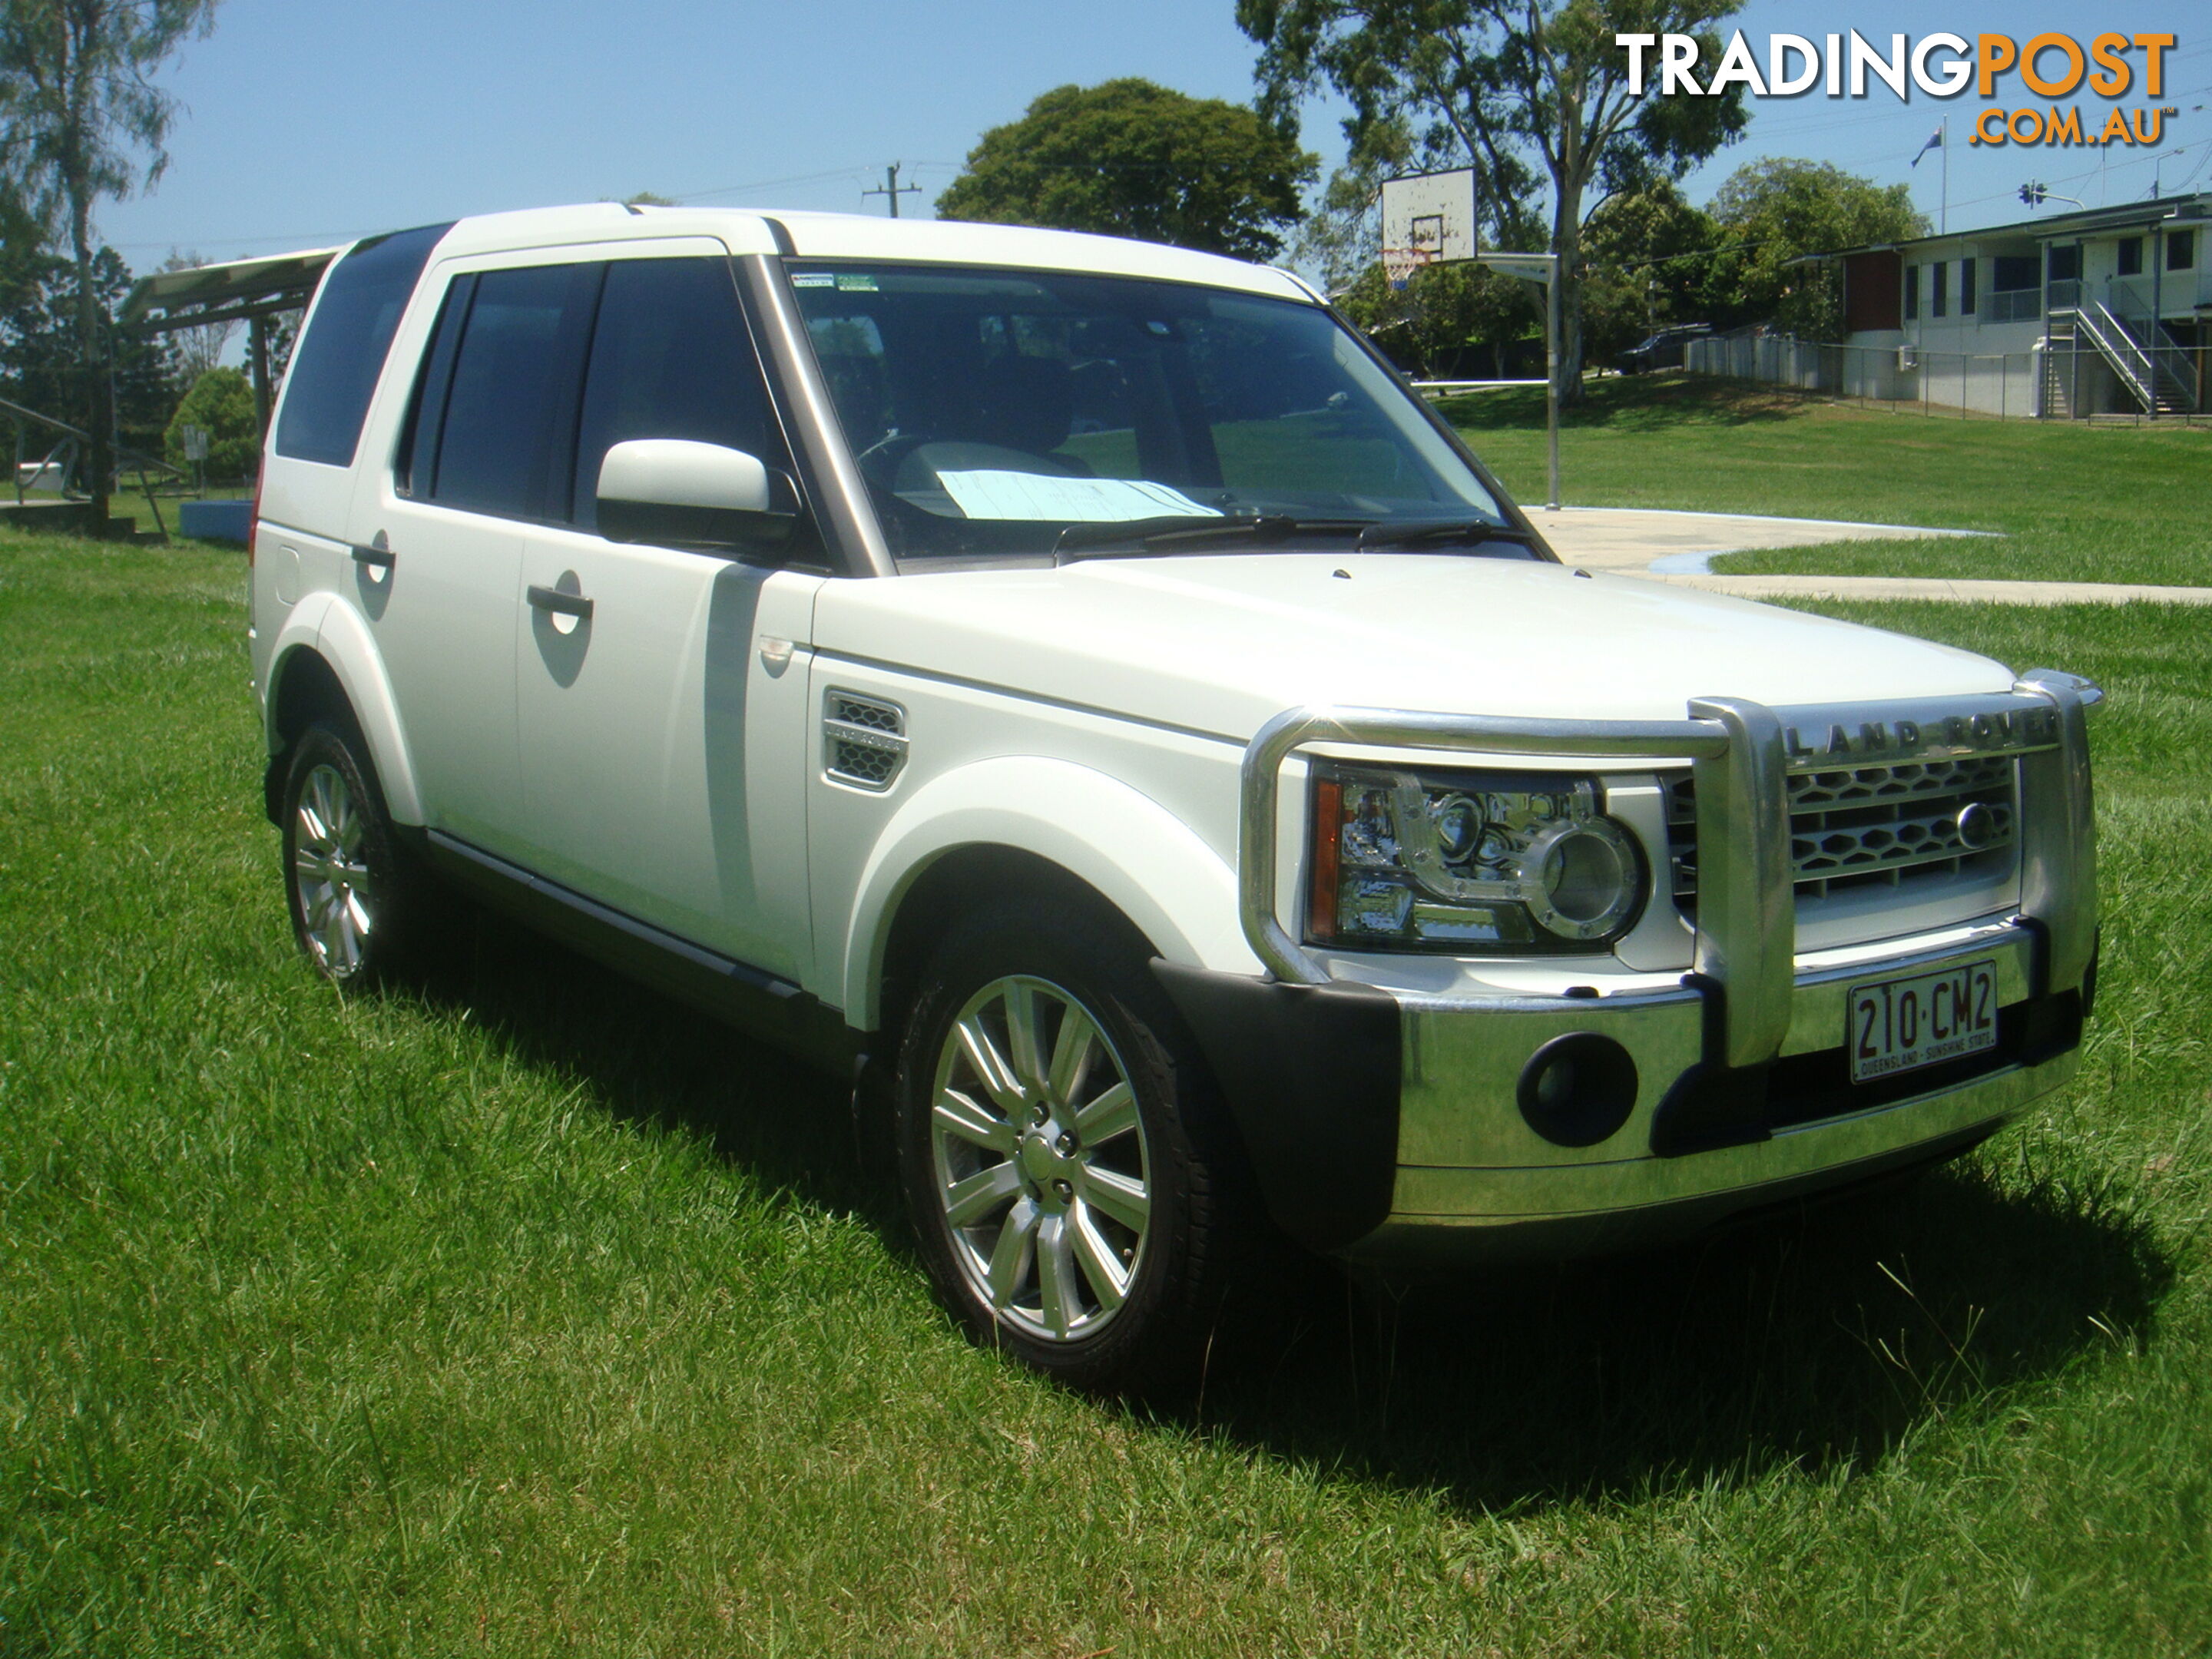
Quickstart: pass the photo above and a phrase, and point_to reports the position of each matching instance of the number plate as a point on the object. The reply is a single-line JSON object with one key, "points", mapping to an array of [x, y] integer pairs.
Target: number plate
{"points": [[1897, 1025]]}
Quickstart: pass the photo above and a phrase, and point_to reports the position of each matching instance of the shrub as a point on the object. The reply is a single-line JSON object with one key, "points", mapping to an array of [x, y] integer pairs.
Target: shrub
{"points": [[221, 403]]}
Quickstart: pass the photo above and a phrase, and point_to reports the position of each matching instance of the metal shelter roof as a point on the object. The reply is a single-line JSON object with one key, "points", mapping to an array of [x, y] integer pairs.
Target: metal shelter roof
{"points": [[241, 288]]}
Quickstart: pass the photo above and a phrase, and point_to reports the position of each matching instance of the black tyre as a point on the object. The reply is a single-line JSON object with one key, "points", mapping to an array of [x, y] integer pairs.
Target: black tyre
{"points": [[359, 901], [1062, 1153]]}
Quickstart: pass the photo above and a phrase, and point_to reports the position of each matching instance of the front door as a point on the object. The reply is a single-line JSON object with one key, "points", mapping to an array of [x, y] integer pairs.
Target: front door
{"points": [[661, 693]]}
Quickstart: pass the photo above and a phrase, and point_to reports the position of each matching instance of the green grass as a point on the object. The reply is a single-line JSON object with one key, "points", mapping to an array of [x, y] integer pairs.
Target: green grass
{"points": [[525, 1313], [2075, 502]]}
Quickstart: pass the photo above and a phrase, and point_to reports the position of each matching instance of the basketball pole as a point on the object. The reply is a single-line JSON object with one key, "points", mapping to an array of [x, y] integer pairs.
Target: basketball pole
{"points": [[1551, 375]]}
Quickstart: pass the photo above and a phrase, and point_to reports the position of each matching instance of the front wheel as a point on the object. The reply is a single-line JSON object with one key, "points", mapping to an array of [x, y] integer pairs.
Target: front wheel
{"points": [[1062, 1151]]}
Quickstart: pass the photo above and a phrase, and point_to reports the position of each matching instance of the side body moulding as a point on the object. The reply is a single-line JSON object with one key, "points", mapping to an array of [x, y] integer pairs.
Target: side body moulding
{"points": [[1174, 889], [326, 625]]}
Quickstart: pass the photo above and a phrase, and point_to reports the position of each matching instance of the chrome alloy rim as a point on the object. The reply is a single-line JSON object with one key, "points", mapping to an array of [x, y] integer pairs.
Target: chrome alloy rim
{"points": [[1040, 1159], [336, 902]]}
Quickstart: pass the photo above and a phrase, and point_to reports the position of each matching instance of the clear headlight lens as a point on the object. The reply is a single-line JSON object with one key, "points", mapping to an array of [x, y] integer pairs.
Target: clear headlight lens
{"points": [[1474, 863]]}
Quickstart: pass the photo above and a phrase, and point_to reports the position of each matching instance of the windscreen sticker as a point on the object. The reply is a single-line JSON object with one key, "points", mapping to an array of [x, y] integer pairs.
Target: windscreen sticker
{"points": [[1033, 496], [813, 279], [859, 283]]}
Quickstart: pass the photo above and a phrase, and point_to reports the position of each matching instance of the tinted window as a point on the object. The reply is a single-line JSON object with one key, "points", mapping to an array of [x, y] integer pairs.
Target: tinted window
{"points": [[670, 358], [2131, 256], [2011, 272], [513, 390], [333, 373], [2066, 263], [2180, 249]]}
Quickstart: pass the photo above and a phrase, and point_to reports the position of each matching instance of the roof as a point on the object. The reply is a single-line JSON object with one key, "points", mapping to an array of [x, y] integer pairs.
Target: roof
{"points": [[2131, 215], [286, 282], [224, 293]]}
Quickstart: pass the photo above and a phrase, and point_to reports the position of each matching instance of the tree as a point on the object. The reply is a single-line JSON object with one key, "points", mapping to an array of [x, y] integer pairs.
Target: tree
{"points": [[1651, 261], [80, 107], [1443, 315], [1496, 81], [40, 365], [221, 405], [1775, 212], [1128, 158]]}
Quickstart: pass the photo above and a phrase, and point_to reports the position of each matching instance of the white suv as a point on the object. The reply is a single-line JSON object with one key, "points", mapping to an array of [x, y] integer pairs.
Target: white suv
{"points": [[1074, 686]]}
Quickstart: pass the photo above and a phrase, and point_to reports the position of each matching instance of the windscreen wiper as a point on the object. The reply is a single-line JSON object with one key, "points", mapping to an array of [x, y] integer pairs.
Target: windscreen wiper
{"points": [[1132, 537], [1385, 532]]}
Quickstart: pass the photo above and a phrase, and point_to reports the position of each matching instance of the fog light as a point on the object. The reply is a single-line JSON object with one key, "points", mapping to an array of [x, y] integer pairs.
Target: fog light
{"points": [[1578, 1090]]}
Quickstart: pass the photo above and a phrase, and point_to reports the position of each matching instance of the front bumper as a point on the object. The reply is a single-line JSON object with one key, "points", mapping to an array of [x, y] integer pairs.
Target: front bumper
{"points": [[1386, 1125]]}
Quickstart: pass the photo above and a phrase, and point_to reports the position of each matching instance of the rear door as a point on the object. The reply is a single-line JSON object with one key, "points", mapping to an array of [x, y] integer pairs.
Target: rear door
{"points": [[663, 735], [438, 531]]}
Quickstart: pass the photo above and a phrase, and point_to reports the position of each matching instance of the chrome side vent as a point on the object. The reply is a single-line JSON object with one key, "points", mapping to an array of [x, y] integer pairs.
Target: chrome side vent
{"points": [[863, 739]]}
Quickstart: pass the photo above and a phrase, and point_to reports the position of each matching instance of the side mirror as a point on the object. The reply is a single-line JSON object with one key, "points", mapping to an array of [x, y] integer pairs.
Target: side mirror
{"points": [[676, 493]]}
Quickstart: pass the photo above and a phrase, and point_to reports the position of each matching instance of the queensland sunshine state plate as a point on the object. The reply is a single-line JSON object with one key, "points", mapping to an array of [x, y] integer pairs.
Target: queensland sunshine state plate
{"points": [[1898, 1024]]}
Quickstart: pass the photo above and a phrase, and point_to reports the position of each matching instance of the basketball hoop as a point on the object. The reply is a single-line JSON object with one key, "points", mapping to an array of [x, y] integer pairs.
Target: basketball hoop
{"points": [[1398, 263]]}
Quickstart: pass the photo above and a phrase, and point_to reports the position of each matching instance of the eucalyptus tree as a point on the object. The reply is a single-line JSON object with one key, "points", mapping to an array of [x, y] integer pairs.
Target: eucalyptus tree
{"points": [[83, 121], [1507, 87]]}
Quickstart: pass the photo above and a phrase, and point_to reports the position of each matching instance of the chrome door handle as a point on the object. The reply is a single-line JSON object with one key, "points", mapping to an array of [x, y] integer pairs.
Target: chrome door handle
{"points": [[566, 604]]}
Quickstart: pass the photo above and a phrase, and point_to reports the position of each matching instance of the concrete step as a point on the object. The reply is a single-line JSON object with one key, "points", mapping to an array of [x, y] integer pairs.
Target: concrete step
{"points": [[77, 518]]}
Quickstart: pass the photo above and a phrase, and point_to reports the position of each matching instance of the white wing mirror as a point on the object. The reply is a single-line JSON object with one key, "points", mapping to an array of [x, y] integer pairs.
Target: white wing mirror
{"points": [[677, 493]]}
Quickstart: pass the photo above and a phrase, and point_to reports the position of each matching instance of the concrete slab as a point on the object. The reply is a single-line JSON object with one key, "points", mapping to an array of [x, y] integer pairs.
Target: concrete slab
{"points": [[1640, 538], [1923, 587]]}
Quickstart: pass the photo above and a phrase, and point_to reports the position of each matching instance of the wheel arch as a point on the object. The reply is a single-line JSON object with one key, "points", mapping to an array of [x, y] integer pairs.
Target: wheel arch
{"points": [[1027, 822], [325, 661]]}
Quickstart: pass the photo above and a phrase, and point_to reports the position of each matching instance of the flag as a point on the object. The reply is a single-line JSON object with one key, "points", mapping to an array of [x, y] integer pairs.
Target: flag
{"points": [[1934, 142]]}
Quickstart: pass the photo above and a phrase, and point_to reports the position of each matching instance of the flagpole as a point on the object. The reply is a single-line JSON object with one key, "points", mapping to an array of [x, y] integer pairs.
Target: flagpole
{"points": [[1943, 221]]}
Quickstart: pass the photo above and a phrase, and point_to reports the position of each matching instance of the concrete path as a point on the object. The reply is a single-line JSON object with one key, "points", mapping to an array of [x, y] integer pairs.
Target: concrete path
{"points": [[1680, 548]]}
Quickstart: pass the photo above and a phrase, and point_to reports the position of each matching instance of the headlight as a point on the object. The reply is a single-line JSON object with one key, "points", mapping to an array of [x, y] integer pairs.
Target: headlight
{"points": [[1474, 863]]}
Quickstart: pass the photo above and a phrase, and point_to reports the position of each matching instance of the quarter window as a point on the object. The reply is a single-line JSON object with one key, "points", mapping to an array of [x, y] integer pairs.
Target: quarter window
{"points": [[333, 373]]}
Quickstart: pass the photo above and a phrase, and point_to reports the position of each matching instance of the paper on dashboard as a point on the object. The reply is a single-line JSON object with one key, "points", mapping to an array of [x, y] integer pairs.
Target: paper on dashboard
{"points": [[1039, 496]]}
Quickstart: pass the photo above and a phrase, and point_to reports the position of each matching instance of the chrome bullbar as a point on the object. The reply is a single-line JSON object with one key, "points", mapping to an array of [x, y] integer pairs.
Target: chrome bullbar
{"points": [[1742, 754]]}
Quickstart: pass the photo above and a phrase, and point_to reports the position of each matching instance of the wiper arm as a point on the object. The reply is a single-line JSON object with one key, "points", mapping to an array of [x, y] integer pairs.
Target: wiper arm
{"points": [[1385, 533], [1128, 537]]}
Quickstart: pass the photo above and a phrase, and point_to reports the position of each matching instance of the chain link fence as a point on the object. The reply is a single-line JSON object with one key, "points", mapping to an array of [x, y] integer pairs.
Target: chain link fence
{"points": [[1960, 385]]}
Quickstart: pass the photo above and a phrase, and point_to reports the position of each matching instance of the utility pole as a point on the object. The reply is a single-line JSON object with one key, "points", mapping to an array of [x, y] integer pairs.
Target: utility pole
{"points": [[892, 188]]}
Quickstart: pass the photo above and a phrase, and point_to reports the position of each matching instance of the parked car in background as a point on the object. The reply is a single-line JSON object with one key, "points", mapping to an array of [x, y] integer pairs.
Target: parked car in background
{"points": [[1661, 348], [1073, 687]]}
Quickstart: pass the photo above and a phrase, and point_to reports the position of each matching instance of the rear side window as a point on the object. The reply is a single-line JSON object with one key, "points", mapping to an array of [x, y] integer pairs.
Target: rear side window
{"points": [[670, 358], [333, 373], [512, 399]]}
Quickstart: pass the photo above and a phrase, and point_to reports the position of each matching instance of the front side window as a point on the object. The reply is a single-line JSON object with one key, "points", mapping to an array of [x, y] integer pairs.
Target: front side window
{"points": [[990, 410], [670, 358]]}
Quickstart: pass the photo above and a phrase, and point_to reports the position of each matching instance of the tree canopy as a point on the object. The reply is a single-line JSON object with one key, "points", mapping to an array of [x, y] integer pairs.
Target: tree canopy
{"points": [[221, 405], [1774, 212], [1128, 158], [84, 120], [1507, 87]]}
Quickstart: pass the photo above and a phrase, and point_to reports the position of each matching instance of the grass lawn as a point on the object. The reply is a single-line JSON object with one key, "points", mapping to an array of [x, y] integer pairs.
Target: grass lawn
{"points": [[2075, 502], [525, 1313]]}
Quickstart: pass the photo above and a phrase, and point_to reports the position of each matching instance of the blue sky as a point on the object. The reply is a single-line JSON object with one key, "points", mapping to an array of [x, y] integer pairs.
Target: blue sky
{"points": [[309, 122]]}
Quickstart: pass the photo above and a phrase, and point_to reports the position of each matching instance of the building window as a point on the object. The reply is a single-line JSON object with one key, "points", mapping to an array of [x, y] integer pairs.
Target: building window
{"points": [[2066, 263], [2180, 249], [2131, 256], [1967, 273], [1939, 297], [2009, 273], [1911, 292]]}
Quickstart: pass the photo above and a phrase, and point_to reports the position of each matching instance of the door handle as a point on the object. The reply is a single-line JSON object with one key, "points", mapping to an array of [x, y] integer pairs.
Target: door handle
{"points": [[381, 558], [566, 604]]}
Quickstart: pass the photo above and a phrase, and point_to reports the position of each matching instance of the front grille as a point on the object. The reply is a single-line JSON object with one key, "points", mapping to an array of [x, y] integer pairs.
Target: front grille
{"points": [[1918, 823]]}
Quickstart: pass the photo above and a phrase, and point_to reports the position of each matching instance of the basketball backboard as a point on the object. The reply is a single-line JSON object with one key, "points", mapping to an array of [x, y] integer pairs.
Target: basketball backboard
{"points": [[1428, 218]]}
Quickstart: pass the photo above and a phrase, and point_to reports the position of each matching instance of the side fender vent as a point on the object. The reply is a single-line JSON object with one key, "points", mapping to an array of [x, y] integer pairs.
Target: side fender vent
{"points": [[863, 740]]}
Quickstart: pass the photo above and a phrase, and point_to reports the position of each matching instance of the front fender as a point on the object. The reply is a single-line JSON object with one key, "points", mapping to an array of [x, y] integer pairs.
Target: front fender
{"points": [[324, 624], [1146, 862]]}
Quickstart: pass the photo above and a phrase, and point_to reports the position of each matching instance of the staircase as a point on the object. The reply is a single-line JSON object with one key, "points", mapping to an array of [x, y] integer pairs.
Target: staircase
{"points": [[78, 519], [2150, 366]]}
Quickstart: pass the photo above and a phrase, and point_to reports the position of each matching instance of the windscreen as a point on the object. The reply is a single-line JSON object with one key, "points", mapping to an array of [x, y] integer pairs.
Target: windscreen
{"points": [[992, 410]]}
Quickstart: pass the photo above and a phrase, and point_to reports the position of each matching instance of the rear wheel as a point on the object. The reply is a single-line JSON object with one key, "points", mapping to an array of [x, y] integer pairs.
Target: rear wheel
{"points": [[1060, 1151], [357, 899]]}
